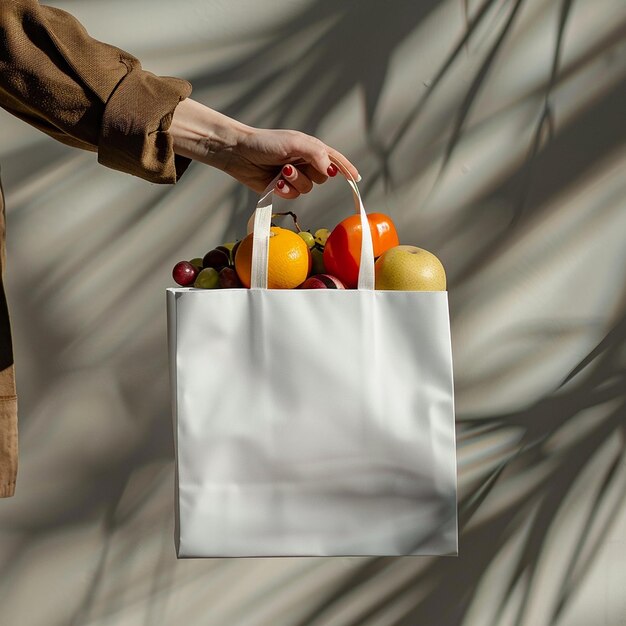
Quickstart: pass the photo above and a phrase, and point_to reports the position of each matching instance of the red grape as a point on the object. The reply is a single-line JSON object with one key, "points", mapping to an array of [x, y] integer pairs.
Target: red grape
{"points": [[184, 273], [229, 279], [216, 258]]}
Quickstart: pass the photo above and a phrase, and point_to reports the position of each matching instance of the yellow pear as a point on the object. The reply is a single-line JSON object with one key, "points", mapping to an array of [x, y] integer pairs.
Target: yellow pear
{"points": [[409, 268]]}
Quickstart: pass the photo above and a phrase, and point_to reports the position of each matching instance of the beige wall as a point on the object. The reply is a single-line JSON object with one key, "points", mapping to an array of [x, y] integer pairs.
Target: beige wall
{"points": [[531, 233]]}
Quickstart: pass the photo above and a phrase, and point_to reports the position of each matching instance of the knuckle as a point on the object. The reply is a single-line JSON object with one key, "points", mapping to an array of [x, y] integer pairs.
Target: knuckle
{"points": [[320, 154]]}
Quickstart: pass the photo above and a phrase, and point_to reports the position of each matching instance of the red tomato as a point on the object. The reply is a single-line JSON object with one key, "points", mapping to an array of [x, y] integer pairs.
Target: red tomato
{"points": [[342, 253]]}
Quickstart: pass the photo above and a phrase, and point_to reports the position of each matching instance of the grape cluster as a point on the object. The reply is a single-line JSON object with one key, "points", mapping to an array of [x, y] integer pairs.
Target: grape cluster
{"points": [[216, 270], [317, 250]]}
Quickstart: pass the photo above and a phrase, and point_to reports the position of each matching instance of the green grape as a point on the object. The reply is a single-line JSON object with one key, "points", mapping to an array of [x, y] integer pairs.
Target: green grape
{"points": [[318, 262], [197, 262], [307, 238], [321, 235], [208, 278]]}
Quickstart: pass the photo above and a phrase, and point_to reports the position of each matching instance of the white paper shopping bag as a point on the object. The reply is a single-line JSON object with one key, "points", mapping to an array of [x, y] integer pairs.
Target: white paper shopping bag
{"points": [[312, 422]]}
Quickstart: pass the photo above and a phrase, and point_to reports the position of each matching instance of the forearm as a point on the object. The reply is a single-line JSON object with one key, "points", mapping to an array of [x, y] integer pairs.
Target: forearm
{"points": [[205, 135]]}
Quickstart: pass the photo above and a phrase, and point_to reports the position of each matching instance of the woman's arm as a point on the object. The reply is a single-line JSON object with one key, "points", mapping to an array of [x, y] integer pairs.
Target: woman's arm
{"points": [[253, 156], [94, 96]]}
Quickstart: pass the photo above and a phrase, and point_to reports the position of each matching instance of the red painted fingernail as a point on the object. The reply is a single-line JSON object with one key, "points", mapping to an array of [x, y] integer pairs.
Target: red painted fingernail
{"points": [[287, 170], [332, 170], [280, 183]]}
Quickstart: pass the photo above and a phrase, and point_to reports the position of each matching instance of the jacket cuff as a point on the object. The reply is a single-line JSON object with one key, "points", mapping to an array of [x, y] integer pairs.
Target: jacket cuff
{"points": [[133, 135], [7, 490]]}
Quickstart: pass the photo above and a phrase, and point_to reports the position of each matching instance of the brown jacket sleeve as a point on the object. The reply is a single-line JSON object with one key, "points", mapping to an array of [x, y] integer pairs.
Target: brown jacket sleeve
{"points": [[86, 93]]}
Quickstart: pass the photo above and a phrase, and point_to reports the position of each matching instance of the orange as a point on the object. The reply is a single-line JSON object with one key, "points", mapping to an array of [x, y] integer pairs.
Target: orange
{"points": [[288, 264]]}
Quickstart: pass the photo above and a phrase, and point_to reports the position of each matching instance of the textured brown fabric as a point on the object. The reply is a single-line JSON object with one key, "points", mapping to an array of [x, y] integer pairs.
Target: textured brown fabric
{"points": [[8, 399], [86, 94]]}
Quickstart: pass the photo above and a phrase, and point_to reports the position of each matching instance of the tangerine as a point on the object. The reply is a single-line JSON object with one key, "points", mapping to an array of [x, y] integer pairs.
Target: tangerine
{"points": [[289, 259]]}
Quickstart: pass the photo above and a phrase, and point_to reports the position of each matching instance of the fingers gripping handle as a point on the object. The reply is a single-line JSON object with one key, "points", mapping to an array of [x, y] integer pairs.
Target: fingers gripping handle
{"points": [[262, 220]]}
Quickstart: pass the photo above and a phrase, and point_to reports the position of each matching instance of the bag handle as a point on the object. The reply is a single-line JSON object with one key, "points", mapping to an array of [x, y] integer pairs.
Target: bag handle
{"points": [[260, 222]]}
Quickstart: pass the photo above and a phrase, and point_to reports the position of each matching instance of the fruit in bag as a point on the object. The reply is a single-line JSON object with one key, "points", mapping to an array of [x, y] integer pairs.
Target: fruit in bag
{"points": [[184, 273], [289, 259], [409, 268], [207, 279], [322, 281], [342, 252]]}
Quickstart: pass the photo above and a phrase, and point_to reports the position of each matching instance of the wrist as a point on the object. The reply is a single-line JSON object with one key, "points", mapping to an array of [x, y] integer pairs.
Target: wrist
{"points": [[205, 135]]}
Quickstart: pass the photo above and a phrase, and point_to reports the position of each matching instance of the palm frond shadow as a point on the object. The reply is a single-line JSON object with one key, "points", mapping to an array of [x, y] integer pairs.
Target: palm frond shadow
{"points": [[475, 87], [384, 151], [598, 380], [577, 566], [546, 118], [564, 164], [482, 541], [358, 64]]}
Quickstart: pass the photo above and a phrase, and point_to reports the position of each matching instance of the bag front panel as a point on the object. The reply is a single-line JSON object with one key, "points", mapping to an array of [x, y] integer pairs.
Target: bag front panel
{"points": [[314, 422]]}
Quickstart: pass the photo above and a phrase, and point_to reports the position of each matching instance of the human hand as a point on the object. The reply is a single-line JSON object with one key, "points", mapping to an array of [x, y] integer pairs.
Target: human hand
{"points": [[305, 160], [254, 156]]}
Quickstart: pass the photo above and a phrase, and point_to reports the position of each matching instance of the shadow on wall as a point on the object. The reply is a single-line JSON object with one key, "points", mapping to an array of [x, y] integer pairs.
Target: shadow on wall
{"points": [[533, 483], [518, 497]]}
